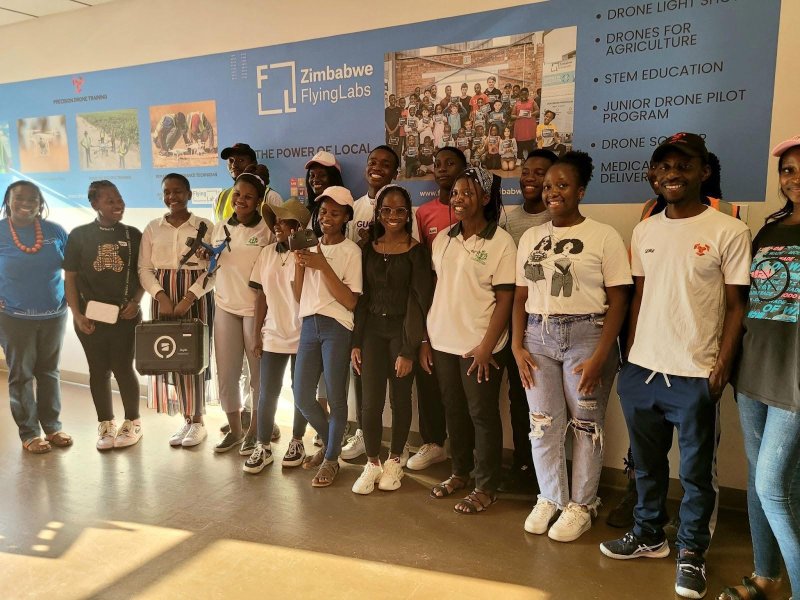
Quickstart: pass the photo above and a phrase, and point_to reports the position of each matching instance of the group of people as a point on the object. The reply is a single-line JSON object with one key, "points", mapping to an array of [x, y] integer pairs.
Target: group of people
{"points": [[494, 128], [446, 298]]}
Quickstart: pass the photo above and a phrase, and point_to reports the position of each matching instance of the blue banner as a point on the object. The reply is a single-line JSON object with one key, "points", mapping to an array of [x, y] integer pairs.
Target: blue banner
{"points": [[611, 78]]}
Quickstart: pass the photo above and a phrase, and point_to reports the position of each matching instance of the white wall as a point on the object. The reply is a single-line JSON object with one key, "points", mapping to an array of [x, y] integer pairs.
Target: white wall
{"points": [[130, 32]]}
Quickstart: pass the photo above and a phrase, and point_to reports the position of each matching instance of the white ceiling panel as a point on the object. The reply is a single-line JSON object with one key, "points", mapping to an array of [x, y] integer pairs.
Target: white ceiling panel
{"points": [[8, 18], [15, 11], [40, 8]]}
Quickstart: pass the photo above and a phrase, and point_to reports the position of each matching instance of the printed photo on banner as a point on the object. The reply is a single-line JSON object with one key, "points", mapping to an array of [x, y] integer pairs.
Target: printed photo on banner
{"points": [[43, 144], [184, 135], [109, 140], [494, 99], [5, 149]]}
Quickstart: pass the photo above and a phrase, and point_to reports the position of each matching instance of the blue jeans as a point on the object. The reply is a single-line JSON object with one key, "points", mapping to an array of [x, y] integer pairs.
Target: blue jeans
{"points": [[555, 405], [273, 366], [654, 404], [772, 445], [33, 348], [324, 348]]}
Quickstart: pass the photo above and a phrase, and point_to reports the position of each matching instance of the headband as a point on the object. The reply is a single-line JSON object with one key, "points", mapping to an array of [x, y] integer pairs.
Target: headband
{"points": [[481, 176]]}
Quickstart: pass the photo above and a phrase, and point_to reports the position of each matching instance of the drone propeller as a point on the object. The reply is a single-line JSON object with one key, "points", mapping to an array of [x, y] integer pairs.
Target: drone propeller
{"points": [[194, 243]]}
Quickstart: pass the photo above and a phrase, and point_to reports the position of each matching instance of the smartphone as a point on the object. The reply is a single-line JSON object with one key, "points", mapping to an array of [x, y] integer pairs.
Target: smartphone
{"points": [[303, 238]]}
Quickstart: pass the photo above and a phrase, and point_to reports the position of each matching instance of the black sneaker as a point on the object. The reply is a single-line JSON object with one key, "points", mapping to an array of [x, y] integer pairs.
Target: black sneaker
{"points": [[248, 445], [630, 546], [228, 442], [260, 458], [295, 454], [690, 577], [276, 432], [520, 480], [622, 514], [671, 528]]}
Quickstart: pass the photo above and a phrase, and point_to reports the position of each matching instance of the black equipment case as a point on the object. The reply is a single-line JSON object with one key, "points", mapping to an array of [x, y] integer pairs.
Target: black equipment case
{"points": [[171, 347]]}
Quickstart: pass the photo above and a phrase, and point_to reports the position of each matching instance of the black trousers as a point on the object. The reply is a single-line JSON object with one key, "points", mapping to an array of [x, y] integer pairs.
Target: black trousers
{"points": [[473, 418], [383, 340], [109, 349]]}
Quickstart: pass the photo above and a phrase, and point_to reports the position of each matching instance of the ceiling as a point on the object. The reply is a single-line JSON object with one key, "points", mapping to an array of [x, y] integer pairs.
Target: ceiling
{"points": [[16, 11]]}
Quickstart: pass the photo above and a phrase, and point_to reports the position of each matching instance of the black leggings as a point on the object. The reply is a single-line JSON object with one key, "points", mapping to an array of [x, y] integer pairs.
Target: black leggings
{"points": [[383, 340], [110, 350]]}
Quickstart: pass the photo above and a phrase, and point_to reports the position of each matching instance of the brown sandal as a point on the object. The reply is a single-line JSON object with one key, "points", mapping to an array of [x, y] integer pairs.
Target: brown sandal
{"points": [[476, 502], [449, 486], [59, 439], [36, 445], [326, 474], [315, 460]]}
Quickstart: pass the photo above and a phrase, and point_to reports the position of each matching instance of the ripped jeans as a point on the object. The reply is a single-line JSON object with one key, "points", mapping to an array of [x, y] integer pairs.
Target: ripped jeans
{"points": [[556, 407]]}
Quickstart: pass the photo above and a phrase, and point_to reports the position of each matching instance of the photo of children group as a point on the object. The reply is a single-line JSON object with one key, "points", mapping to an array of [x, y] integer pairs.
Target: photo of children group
{"points": [[483, 97], [184, 135], [109, 140]]}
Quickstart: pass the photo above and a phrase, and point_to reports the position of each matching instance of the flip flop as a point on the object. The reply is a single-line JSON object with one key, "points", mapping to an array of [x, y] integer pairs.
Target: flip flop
{"points": [[59, 439], [36, 445]]}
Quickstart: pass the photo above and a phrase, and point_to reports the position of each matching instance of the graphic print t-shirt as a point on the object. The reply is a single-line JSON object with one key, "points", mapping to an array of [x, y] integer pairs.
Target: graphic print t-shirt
{"points": [[567, 269], [105, 258], [768, 369]]}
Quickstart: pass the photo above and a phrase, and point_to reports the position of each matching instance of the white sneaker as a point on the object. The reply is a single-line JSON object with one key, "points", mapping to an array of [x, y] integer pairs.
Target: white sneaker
{"points": [[428, 454], [318, 441], [366, 481], [540, 517], [178, 436], [107, 433], [196, 434], [571, 524], [129, 434], [392, 474], [354, 447], [405, 455]]}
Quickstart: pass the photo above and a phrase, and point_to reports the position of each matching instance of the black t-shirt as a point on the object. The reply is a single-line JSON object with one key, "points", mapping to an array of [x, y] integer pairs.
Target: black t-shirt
{"points": [[392, 116], [768, 365], [106, 260]]}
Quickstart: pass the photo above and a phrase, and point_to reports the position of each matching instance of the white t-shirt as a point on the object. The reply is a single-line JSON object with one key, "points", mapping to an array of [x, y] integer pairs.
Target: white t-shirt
{"points": [[163, 246], [316, 298], [686, 263], [231, 291], [364, 217], [272, 197], [273, 273], [567, 269], [464, 299]]}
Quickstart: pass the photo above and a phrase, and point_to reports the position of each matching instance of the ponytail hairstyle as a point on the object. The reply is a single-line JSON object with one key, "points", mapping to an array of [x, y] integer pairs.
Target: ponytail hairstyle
{"points": [[581, 162], [256, 182], [489, 184]]}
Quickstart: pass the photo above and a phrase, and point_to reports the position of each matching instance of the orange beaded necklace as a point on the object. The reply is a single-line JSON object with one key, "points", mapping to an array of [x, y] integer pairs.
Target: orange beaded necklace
{"points": [[38, 241]]}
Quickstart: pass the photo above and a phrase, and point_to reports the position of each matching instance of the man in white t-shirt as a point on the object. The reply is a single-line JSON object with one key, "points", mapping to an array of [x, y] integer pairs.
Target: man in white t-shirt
{"points": [[691, 268], [382, 167]]}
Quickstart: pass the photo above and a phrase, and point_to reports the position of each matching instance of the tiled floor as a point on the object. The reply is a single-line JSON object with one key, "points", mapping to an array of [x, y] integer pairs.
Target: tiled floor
{"points": [[157, 522]]}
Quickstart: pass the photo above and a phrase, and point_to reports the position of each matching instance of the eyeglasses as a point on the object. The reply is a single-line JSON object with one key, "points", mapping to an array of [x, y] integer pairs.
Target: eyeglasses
{"points": [[388, 211]]}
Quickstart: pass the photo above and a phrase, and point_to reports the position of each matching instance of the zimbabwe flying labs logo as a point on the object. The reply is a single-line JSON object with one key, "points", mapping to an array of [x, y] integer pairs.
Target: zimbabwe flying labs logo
{"points": [[282, 86], [77, 83], [701, 249]]}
